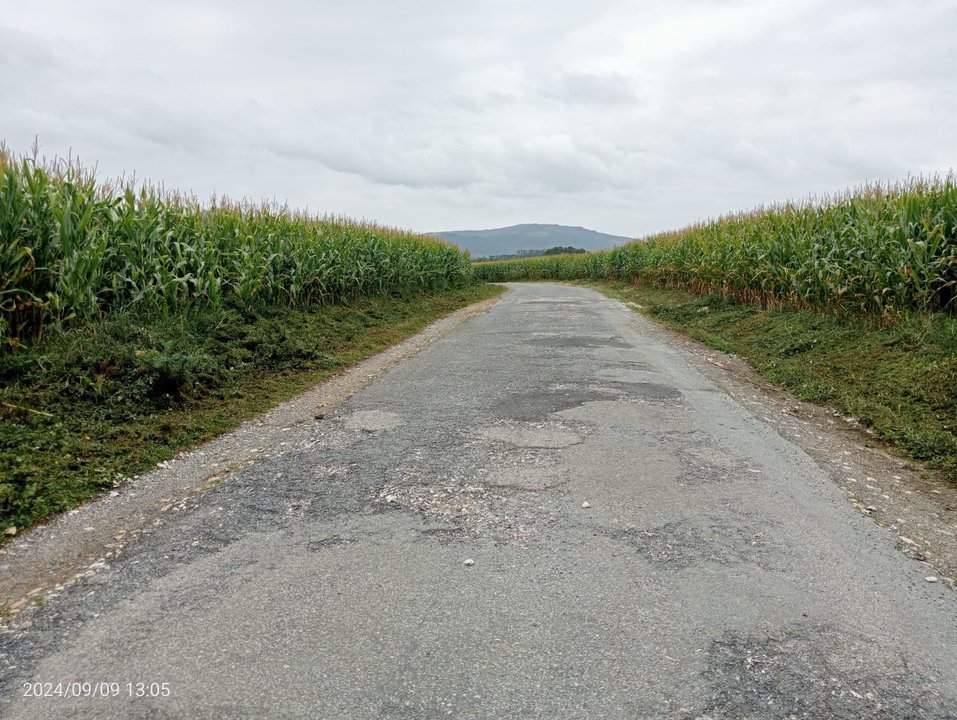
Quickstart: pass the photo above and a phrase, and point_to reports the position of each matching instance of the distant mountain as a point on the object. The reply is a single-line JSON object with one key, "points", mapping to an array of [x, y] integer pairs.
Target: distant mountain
{"points": [[510, 240]]}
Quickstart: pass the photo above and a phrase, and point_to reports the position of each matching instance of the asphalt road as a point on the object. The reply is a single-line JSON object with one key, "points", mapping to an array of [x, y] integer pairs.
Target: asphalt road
{"points": [[548, 513]]}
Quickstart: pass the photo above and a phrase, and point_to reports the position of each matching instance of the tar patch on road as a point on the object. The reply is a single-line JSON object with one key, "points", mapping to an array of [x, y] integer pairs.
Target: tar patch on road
{"points": [[539, 404], [816, 672], [704, 463], [655, 391], [679, 545]]}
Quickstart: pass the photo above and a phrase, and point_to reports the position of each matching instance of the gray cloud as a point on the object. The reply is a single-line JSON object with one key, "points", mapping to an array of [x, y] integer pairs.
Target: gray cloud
{"points": [[595, 89], [625, 117]]}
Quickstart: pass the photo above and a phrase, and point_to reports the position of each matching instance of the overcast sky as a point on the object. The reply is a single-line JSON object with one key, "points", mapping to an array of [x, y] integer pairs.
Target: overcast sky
{"points": [[623, 116]]}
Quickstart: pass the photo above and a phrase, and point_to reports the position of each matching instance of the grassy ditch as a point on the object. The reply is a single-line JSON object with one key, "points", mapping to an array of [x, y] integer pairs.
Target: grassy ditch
{"points": [[95, 403], [899, 380]]}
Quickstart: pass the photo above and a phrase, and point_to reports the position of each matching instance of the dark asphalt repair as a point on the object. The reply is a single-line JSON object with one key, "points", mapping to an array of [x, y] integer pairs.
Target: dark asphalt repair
{"points": [[546, 513]]}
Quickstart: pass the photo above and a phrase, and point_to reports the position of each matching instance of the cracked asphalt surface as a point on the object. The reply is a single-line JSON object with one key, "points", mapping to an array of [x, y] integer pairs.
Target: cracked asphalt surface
{"points": [[640, 544]]}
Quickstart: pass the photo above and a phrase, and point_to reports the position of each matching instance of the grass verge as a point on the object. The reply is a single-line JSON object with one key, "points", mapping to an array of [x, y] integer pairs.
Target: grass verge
{"points": [[95, 404], [901, 381]]}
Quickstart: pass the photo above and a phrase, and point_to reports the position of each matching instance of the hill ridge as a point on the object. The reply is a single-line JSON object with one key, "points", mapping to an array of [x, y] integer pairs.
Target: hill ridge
{"points": [[528, 236]]}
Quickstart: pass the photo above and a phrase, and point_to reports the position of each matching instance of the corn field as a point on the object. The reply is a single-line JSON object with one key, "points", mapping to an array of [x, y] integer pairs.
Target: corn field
{"points": [[73, 249], [882, 250]]}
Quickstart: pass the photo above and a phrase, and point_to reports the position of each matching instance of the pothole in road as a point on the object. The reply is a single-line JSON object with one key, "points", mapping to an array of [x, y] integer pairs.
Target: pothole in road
{"points": [[705, 463], [680, 545], [444, 535], [328, 542], [532, 435], [817, 672], [468, 510], [526, 478], [372, 420], [713, 457]]}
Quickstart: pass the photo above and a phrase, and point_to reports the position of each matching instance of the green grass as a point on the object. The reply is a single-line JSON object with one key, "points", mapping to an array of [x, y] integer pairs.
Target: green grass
{"points": [[899, 380], [97, 402], [884, 251]]}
